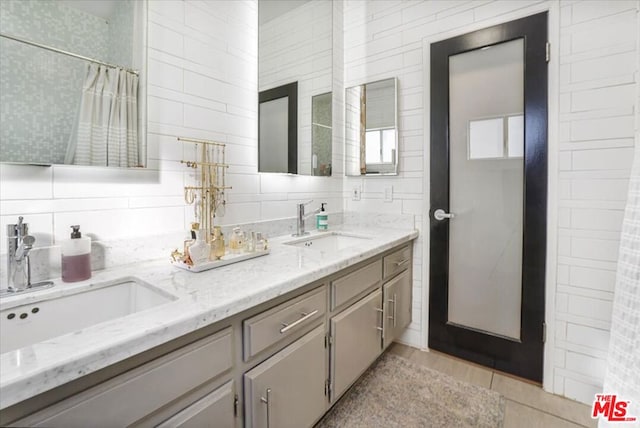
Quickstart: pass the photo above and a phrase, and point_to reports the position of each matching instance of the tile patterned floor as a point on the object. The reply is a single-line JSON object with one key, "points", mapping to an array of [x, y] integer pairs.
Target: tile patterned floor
{"points": [[527, 406]]}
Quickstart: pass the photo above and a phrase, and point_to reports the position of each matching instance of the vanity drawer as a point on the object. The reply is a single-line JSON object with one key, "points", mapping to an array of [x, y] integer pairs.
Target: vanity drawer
{"points": [[131, 396], [267, 328], [345, 288], [397, 261]]}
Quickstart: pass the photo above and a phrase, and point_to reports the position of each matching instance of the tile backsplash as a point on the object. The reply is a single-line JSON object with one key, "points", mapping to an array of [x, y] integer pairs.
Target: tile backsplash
{"points": [[113, 252]]}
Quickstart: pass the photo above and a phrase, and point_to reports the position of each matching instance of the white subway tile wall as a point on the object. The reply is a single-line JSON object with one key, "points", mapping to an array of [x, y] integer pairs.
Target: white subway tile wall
{"points": [[599, 84], [202, 83], [597, 102]]}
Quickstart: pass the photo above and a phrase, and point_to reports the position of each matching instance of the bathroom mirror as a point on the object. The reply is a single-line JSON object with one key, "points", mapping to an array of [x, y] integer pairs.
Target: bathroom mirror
{"points": [[295, 49], [57, 106], [371, 128]]}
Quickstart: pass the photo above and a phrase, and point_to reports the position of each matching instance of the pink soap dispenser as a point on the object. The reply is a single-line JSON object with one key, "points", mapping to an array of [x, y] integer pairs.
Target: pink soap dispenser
{"points": [[76, 257]]}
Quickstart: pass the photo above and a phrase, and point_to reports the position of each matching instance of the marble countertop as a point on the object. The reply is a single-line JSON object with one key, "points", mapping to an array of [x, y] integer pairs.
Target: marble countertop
{"points": [[202, 299]]}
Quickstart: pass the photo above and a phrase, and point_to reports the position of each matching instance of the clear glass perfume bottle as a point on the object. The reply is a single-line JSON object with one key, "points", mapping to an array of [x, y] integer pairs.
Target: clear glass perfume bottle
{"points": [[217, 244], [250, 242], [236, 241]]}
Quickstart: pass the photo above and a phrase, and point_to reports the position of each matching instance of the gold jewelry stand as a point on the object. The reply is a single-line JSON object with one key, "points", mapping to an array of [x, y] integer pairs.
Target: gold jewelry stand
{"points": [[208, 198], [208, 194]]}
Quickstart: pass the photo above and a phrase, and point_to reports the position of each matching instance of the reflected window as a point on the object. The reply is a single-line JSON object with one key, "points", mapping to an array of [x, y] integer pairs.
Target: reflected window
{"points": [[380, 146]]}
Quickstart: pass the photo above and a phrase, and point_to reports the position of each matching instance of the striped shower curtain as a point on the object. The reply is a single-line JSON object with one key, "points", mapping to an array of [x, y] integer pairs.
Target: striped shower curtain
{"points": [[106, 131], [623, 365]]}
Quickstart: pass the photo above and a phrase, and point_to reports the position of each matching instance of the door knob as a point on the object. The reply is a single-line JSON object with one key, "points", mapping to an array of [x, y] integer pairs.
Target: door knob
{"points": [[440, 214]]}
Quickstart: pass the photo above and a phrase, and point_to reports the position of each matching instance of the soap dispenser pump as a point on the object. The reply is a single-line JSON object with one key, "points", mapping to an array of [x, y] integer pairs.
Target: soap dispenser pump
{"points": [[76, 257], [322, 218]]}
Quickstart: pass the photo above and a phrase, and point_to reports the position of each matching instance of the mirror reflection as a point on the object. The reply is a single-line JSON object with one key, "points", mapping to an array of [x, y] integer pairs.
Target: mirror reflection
{"points": [[295, 48], [278, 130], [321, 133], [371, 128], [69, 82]]}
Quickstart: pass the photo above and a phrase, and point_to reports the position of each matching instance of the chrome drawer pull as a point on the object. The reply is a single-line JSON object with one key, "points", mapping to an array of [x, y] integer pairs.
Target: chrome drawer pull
{"points": [[402, 262], [393, 317], [381, 328], [267, 401], [305, 316]]}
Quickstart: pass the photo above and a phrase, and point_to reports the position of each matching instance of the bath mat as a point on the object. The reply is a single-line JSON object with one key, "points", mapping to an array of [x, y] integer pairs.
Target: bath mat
{"points": [[395, 392]]}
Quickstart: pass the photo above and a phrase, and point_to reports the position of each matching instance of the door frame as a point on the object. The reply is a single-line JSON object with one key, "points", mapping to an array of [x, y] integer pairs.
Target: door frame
{"points": [[553, 9], [537, 223]]}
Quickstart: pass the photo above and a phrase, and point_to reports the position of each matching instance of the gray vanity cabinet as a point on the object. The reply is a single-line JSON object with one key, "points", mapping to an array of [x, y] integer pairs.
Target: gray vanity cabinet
{"points": [[288, 389], [214, 410], [356, 341], [397, 306]]}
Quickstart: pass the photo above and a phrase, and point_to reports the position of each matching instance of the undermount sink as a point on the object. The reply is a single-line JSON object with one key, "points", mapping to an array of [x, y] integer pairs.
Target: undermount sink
{"points": [[53, 316], [331, 241]]}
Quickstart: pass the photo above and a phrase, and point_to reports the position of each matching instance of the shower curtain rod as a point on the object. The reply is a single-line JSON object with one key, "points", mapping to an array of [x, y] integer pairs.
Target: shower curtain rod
{"points": [[52, 49]]}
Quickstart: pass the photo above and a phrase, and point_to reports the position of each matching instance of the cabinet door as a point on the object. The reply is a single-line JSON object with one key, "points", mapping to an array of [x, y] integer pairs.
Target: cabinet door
{"points": [[287, 390], [356, 341], [397, 306], [214, 410]]}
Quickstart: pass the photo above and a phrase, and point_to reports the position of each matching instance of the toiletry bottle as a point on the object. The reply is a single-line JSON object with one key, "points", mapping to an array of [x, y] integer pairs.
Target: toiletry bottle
{"points": [[261, 242], [236, 241], [188, 243], [76, 257], [322, 218], [199, 251], [217, 244], [251, 242]]}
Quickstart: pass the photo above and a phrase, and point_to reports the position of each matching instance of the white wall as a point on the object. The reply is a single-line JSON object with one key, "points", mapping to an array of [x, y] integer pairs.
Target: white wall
{"points": [[592, 102], [202, 83]]}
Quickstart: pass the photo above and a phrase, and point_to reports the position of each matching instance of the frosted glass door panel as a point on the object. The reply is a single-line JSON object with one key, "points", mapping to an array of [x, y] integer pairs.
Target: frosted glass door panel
{"points": [[486, 189]]}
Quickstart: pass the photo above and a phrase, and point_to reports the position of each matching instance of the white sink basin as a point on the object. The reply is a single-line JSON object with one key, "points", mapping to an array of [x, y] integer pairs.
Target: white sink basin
{"points": [[332, 241], [27, 324]]}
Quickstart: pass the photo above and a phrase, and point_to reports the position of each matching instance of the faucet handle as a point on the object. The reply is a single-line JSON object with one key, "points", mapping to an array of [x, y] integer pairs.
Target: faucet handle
{"points": [[303, 204], [18, 230]]}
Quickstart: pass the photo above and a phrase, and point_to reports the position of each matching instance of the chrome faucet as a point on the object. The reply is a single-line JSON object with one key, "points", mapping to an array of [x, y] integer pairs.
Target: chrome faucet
{"points": [[19, 244], [302, 216]]}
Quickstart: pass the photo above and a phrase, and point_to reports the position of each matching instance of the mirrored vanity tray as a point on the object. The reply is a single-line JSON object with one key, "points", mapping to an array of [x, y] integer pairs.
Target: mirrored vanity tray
{"points": [[227, 259]]}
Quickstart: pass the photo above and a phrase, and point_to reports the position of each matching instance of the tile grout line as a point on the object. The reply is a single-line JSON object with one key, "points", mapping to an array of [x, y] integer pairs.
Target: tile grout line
{"points": [[507, 398], [545, 412]]}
